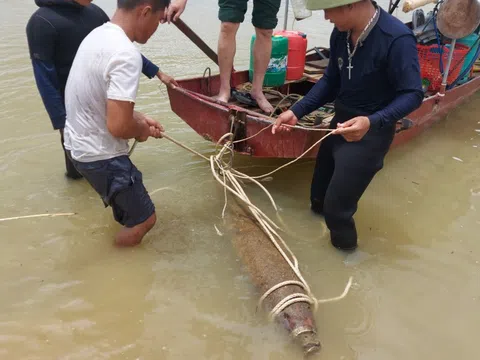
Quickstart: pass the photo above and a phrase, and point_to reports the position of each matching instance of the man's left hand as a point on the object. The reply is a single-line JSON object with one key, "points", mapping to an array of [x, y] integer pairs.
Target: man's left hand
{"points": [[353, 129], [174, 11], [167, 80]]}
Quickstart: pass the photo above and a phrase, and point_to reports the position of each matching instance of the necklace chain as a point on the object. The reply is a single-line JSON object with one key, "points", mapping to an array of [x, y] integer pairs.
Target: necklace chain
{"points": [[350, 54]]}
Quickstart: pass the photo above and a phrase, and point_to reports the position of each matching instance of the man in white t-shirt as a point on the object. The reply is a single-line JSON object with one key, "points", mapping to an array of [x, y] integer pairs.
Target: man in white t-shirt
{"points": [[99, 99]]}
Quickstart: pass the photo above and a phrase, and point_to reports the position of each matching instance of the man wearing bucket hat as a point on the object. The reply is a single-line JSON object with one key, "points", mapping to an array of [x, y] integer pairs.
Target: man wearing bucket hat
{"points": [[374, 77]]}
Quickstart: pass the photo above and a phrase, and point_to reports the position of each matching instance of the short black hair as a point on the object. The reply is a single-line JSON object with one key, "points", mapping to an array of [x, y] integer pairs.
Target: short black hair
{"points": [[132, 4]]}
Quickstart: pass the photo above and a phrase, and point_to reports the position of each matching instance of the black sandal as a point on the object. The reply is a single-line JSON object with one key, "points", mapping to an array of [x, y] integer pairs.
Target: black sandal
{"points": [[244, 97]]}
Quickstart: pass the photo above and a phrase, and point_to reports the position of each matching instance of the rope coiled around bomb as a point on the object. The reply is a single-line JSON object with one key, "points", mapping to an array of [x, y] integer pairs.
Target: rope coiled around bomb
{"points": [[231, 179], [224, 169]]}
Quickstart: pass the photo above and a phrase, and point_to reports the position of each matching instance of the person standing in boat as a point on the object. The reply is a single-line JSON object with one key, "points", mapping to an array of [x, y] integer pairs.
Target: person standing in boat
{"points": [[264, 19], [54, 33], [99, 99], [374, 77]]}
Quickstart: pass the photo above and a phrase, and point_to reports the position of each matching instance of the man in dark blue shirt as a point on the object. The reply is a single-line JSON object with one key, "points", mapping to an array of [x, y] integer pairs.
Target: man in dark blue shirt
{"points": [[374, 78], [54, 33]]}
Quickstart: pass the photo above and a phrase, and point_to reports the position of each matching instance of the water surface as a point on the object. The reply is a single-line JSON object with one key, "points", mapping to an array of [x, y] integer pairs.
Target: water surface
{"points": [[67, 293]]}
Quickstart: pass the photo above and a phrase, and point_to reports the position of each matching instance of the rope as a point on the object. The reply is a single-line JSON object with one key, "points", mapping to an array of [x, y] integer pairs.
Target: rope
{"points": [[230, 179], [35, 216], [306, 120], [216, 163], [184, 146], [294, 160]]}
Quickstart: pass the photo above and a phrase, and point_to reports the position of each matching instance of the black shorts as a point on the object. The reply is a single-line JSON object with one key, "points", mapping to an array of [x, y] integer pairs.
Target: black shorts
{"points": [[264, 14], [119, 184]]}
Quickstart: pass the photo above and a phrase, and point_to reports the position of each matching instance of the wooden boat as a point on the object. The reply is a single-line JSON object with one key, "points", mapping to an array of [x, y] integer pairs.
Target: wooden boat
{"points": [[195, 104]]}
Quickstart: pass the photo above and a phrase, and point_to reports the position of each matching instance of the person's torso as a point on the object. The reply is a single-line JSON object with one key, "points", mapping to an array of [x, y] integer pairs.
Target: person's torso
{"points": [[72, 25], [365, 84], [86, 132]]}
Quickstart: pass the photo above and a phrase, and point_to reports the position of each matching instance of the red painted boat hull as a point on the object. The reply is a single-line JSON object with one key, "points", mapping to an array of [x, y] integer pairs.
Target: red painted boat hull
{"points": [[212, 119]]}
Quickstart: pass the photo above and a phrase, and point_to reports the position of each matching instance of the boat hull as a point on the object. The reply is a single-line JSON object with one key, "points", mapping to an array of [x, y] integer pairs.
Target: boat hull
{"points": [[211, 119]]}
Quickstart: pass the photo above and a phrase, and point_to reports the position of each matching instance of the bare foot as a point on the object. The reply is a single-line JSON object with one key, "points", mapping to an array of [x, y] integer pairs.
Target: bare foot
{"points": [[128, 237], [262, 102], [224, 97], [133, 236], [122, 242]]}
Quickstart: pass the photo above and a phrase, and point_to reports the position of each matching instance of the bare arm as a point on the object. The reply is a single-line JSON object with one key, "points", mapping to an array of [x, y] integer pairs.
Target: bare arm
{"points": [[124, 122]]}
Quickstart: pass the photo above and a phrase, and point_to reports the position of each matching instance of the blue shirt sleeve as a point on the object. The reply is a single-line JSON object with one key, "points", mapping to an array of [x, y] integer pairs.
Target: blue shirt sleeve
{"points": [[48, 86], [325, 90], [41, 37], [149, 69], [404, 76]]}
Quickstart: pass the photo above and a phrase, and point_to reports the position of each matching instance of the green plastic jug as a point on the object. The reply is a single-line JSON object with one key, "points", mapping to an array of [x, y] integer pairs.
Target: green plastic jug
{"points": [[277, 67]]}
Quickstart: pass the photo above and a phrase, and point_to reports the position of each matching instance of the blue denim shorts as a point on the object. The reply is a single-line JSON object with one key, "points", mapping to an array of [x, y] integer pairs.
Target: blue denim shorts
{"points": [[119, 184]]}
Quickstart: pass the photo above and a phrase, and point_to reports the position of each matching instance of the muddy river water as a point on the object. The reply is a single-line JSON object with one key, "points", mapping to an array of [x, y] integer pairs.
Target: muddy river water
{"points": [[67, 293]]}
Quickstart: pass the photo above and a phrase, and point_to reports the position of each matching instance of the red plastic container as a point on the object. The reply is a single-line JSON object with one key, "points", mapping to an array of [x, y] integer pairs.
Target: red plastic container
{"points": [[297, 48], [429, 58]]}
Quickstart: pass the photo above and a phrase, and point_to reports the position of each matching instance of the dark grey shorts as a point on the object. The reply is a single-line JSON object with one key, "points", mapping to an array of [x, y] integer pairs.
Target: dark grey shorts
{"points": [[119, 184]]}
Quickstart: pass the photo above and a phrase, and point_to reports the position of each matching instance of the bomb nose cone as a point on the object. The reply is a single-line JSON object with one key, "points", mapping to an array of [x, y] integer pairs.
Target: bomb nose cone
{"points": [[309, 343]]}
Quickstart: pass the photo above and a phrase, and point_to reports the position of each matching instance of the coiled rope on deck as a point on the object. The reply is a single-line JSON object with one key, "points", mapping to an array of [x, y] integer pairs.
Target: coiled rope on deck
{"points": [[306, 120], [230, 179]]}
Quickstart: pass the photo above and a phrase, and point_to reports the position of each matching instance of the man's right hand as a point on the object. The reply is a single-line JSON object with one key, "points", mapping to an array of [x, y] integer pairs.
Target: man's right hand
{"points": [[287, 118], [175, 9], [150, 127], [156, 129]]}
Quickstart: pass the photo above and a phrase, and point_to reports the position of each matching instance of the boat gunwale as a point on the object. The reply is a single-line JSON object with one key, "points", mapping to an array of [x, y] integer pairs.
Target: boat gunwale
{"points": [[252, 115], [266, 120]]}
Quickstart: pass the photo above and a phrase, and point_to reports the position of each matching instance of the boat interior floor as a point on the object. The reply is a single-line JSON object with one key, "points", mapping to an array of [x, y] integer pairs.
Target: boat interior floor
{"points": [[240, 96]]}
